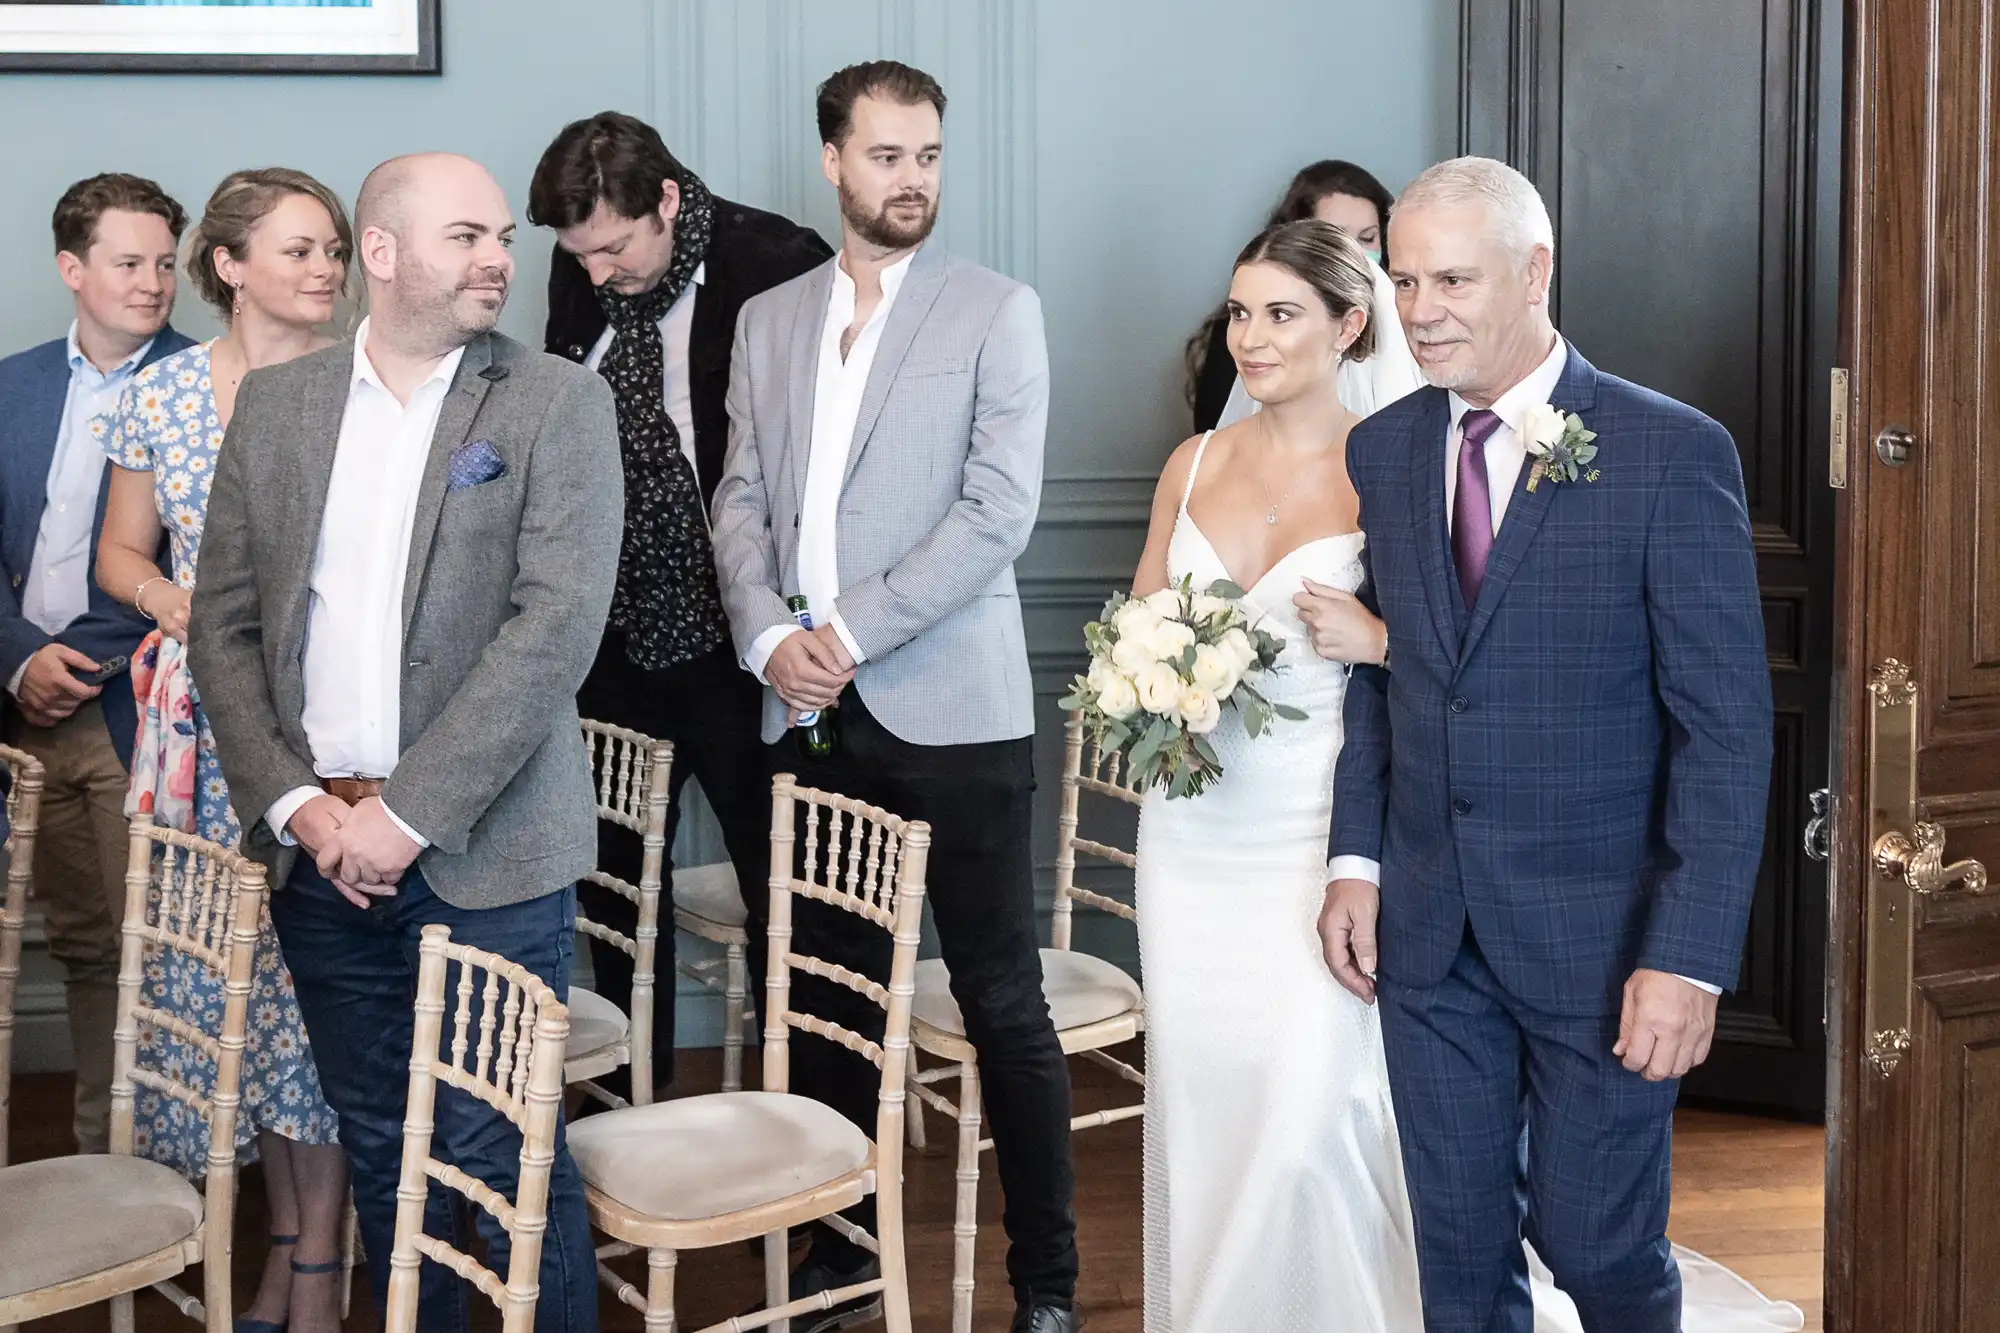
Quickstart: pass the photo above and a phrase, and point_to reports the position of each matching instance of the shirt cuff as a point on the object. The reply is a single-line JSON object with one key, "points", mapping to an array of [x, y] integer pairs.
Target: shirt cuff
{"points": [[766, 643], [1708, 986], [847, 640], [1354, 867], [20, 674], [281, 812], [408, 832]]}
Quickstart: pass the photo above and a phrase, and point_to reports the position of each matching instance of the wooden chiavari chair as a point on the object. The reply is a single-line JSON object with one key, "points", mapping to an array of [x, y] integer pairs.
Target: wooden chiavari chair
{"points": [[699, 1172], [1095, 1004], [631, 772], [24, 806], [78, 1230], [515, 1066]]}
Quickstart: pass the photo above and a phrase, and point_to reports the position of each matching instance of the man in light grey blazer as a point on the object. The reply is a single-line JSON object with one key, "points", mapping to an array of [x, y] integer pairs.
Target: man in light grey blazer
{"points": [[886, 415], [407, 563]]}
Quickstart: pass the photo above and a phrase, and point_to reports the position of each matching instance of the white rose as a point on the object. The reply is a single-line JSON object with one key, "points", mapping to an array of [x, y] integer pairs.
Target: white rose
{"points": [[1198, 709], [1215, 670], [1237, 643], [1102, 673], [1166, 602], [1118, 698], [1544, 425], [1135, 620], [1169, 640], [1206, 606], [1133, 655], [1159, 687]]}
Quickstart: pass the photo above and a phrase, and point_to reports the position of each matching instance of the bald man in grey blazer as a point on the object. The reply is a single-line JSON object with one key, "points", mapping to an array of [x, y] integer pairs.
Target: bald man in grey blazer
{"points": [[886, 415], [408, 559]]}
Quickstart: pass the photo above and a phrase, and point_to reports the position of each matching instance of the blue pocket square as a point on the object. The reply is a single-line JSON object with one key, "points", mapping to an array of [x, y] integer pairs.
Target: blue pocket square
{"points": [[474, 464]]}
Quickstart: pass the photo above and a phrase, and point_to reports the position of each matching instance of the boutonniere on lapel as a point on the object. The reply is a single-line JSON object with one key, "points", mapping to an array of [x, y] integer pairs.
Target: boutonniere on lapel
{"points": [[1560, 446]]}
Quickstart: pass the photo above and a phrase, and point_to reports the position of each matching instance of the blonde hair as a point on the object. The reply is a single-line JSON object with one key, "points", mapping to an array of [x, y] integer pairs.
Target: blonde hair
{"points": [[244, 199]]}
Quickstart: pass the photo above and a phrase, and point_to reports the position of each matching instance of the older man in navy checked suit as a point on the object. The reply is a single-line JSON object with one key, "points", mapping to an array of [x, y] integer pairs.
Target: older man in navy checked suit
{"points": [[1558, 782]]}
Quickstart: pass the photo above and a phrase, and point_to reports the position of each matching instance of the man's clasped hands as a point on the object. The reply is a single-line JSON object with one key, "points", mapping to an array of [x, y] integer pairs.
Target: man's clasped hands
{"points": [[358, 847]]}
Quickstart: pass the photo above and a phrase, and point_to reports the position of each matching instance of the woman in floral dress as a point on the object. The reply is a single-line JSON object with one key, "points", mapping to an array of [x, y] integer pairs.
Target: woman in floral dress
{"points": [[271, 255]]}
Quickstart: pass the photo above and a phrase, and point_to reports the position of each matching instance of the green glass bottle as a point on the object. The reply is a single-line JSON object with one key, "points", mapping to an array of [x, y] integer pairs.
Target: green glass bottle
{"points": [[817, 738]]}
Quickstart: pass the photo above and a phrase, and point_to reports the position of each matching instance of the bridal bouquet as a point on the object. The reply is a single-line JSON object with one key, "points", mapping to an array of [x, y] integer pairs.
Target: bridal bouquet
{"points": [[1162, 669]]}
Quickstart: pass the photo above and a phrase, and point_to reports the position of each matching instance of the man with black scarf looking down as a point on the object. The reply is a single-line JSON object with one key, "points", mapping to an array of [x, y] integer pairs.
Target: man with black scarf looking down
{"points": [[649, 273]]}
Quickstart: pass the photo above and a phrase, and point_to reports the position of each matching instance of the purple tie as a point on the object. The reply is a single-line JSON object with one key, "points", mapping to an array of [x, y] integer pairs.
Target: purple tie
{"points": [[1472, 505]]}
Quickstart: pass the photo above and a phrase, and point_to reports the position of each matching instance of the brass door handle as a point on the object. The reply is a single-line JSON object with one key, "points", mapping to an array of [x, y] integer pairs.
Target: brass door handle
{"points": [[1919, 862]]}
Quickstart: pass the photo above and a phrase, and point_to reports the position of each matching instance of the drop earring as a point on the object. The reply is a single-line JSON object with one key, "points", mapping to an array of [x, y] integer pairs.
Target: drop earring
{"points": [[236, 302]]}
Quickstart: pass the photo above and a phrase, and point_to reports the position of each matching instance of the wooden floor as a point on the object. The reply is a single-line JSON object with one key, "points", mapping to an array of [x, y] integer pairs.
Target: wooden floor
{"points": [[1747, 1193]]}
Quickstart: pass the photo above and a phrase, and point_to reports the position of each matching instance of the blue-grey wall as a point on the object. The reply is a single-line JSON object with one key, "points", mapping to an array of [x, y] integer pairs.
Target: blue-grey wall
{"points": [[1113, 153]]}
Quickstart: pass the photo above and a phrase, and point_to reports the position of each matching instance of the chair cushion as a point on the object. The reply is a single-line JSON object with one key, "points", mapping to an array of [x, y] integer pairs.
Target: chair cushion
{"points": [[1081, 990], [594, 1023], [710, 893], [699, 1157], [69, 1217]]}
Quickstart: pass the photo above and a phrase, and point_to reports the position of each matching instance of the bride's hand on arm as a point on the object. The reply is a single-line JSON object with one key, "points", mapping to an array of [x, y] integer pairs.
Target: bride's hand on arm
{"points": [[1343, 630], [1151, 575]]}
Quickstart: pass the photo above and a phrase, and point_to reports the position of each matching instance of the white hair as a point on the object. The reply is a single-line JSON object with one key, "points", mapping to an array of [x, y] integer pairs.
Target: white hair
{"points": [[1520, 217]]}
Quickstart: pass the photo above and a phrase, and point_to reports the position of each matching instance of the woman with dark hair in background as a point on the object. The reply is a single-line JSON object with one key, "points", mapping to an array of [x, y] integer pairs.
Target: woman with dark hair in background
{"points": [[270, 255], [1351, 199]]}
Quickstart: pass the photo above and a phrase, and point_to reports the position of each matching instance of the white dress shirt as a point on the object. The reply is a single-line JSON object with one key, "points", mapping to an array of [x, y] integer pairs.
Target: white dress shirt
{"points": [[837, 396], [57, 589], [1506, 453], [676, 326], [354, 621]]}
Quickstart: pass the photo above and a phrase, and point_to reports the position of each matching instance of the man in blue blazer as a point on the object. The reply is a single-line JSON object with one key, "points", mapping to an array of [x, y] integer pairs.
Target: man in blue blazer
{"points": [[1558, 780], [62, 639]]}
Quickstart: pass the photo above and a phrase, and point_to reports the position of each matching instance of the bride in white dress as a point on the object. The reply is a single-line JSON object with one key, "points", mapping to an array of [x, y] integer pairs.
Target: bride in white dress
{"points": [[1275, 1197]]}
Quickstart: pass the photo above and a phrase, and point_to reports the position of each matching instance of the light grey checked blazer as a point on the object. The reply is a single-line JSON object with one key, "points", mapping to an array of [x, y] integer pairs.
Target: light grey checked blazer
{"points": [[504, 602], [943, 482]]}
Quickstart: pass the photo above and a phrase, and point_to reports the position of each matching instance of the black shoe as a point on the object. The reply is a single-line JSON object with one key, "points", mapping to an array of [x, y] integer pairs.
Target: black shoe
{"points": [[1039, 1318], [815, 1275]]}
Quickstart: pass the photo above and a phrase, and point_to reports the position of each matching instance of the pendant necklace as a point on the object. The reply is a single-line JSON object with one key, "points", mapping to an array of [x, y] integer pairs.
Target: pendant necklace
{"points": [[1271, 510]]}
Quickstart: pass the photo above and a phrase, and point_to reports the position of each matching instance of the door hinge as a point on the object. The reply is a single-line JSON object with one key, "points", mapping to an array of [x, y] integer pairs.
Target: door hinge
{"points": [[1836, 448]]}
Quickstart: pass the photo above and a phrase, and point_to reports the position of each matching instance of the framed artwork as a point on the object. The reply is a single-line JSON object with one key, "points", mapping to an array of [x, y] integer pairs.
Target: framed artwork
{"points": [[221, 36]]}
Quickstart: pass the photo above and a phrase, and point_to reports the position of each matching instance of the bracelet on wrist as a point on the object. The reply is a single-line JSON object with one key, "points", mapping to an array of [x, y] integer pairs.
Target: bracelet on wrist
{"points": [[139, 597]]}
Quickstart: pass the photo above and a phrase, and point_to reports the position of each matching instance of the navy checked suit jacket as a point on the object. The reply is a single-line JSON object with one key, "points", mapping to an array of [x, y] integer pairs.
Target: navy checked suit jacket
{"points": [[1580, 764], [33, 388]]}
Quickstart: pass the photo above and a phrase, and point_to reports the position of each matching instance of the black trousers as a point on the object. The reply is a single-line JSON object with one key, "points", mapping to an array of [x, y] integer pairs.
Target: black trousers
{"points": [[710, 708], [978, 801]]}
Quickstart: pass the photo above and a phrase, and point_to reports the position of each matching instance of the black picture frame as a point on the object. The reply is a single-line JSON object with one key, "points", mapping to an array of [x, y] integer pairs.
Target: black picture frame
{"points": [[426, 60]]}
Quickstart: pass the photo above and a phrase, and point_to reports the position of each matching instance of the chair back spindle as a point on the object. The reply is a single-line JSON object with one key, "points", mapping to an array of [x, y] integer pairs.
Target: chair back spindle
{"points": [[1087, 768], [514, 1064], [632, 773], [24, 805]]}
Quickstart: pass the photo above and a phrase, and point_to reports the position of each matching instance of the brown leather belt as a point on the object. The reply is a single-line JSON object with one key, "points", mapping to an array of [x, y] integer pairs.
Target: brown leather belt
{"points": [[352, 790]]}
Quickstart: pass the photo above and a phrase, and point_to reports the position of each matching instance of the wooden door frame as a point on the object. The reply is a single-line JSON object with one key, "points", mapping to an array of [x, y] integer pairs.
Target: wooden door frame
{"points": [[1847, 877]]}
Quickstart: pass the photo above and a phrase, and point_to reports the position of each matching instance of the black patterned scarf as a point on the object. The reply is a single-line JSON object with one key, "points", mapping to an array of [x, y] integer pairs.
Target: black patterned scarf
{"points": [[667, 603]]}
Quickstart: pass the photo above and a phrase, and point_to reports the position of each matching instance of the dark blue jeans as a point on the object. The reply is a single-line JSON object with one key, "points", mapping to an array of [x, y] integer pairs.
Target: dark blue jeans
{"points": [[356, 975]]}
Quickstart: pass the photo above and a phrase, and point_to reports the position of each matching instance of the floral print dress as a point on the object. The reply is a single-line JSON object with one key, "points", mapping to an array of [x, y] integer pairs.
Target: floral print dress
{"points": [[166, 423]]}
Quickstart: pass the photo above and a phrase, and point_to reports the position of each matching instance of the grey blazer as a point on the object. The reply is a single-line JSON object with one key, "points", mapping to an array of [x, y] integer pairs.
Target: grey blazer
{"points": [[505, 597], [943, 482]]}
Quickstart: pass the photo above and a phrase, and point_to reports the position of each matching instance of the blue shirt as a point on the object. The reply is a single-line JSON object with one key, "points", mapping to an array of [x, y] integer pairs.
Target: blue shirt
{"points": [[57, 589]]}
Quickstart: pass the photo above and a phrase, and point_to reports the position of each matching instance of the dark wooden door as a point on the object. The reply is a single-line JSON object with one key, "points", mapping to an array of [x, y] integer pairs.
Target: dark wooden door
{"points": [[1913, 1217], [1690, 156]]}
